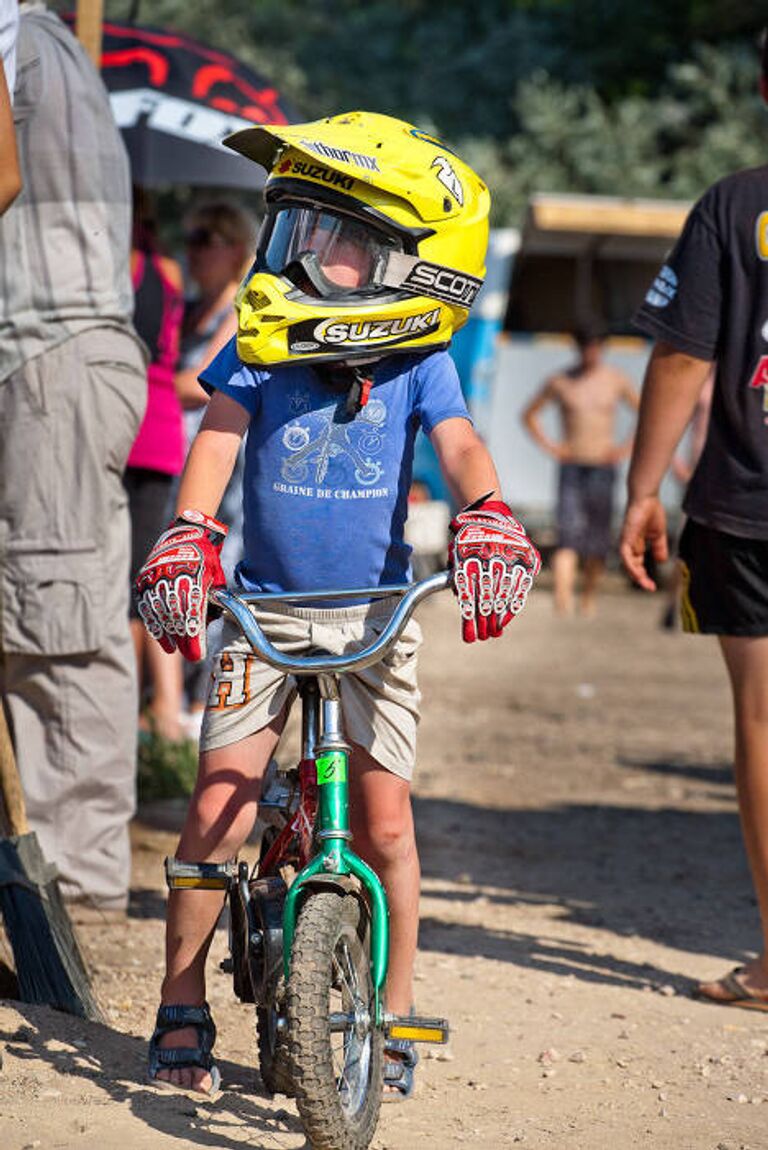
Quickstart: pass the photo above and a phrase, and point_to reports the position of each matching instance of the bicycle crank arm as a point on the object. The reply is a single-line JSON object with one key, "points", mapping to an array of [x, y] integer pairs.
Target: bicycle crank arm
{"points": [[416, 1029]]}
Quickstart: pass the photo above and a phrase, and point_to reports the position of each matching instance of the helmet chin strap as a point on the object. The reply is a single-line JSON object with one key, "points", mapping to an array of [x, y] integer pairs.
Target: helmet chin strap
{"points": [[352, 376], [355, 378], [359, 391]]}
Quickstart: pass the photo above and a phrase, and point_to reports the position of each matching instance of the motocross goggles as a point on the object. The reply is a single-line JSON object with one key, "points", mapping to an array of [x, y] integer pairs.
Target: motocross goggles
{"points": [[325, 252]]}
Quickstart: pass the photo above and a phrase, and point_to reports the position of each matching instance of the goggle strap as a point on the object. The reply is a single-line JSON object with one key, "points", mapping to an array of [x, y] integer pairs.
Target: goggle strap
{"points": [[420, 277]]}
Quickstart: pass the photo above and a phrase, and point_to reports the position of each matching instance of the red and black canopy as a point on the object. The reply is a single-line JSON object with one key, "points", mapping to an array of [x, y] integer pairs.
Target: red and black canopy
{"points": [[174, 100]]}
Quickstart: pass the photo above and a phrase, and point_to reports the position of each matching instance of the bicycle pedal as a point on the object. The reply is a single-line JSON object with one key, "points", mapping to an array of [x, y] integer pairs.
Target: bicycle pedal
{"points": [[417, 1029], [199, 876]]}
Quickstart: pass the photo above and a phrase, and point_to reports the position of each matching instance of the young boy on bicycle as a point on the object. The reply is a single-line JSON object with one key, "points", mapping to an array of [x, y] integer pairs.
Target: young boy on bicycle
{"points": [[371, 252]]}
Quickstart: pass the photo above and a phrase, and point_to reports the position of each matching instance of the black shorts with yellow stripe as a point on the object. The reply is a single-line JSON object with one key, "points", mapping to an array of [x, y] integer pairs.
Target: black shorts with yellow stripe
{"points": [[724, 582]]}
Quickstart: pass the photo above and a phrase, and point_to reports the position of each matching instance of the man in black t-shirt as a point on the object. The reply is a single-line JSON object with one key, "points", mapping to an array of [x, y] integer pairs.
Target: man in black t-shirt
{"points": [[709, 305]]}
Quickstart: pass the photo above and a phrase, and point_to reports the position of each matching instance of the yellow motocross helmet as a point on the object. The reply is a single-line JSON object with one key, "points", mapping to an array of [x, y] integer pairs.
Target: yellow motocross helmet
{"points": [[373, 242]]}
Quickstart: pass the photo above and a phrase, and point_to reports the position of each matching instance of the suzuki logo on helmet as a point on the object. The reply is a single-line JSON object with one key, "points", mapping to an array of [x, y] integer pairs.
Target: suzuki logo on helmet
{"points": [[327, 175], [371, 330]]}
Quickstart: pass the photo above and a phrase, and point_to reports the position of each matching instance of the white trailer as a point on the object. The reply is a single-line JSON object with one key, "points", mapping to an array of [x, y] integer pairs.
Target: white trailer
{"points": [[577, 259]]}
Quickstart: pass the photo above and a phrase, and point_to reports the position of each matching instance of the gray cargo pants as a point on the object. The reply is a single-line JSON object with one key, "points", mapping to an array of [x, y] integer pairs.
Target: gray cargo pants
{"points": [[67, 665]]}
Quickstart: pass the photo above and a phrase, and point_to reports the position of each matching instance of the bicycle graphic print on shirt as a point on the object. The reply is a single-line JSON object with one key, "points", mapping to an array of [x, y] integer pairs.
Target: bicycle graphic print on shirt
{"points": [[321, 449]]}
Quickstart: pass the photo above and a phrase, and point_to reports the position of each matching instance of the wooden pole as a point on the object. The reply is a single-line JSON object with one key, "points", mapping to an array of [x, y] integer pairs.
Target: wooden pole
{"points": [[89, 19], [14, 807]]}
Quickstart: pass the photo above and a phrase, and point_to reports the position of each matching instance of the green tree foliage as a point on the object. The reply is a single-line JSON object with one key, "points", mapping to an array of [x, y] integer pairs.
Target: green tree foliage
{"points": [[712, 121], [653, 99], [622, 49], [706, 121], [455, 66]]}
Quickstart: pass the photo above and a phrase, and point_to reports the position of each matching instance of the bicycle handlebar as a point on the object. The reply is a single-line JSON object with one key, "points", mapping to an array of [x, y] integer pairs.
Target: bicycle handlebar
{"points": [[236, 606]]}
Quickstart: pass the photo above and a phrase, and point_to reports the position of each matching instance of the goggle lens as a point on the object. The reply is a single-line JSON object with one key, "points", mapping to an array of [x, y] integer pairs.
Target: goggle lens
{"points": [[347, 252]]}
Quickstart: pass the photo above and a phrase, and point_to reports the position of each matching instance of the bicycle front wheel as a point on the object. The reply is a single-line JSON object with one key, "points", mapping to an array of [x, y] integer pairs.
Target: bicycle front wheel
{"points": [[335, 1047]]}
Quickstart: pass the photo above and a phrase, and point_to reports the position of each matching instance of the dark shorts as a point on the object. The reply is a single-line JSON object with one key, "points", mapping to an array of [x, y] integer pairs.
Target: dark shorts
{"points": [[585, 509], [149, 503], [725, 582]]}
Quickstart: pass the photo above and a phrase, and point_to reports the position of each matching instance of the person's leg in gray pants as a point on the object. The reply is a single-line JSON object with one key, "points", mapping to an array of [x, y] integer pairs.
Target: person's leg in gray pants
{"points": [[67, 667]]}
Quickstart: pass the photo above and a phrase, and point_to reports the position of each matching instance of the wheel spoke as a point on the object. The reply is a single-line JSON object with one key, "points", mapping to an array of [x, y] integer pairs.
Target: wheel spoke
{"points": [[348, 980]]}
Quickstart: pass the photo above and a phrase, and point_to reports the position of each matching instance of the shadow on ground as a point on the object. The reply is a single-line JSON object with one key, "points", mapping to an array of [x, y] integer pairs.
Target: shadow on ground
{"points": [[658, 874], [716, 775], [116, 1063], [653, 873]]}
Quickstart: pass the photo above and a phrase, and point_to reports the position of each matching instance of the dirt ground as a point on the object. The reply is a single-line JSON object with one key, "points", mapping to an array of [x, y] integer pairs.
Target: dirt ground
{"points": [[582, 867]]}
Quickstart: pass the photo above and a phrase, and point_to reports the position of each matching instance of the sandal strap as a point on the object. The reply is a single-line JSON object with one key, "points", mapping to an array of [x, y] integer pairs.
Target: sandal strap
{"points": [[405, 1050], [177, 1057], [395, 1070], [735, 987], [399, 1075], [177, 1016]]}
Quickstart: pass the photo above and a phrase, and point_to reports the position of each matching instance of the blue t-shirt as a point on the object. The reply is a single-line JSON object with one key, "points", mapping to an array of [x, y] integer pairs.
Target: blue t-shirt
{"points": [[324, 496]]}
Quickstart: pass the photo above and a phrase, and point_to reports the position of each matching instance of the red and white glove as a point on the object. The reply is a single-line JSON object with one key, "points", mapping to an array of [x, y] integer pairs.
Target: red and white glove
{"points": [[494, 564], [172, 587]]}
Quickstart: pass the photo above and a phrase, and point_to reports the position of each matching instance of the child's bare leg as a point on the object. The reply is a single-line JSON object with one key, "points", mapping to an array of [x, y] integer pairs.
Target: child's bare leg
{"points": [[138, 632], [747, 663], [221, 814], [565, 564], [594, 569], [166, 676], [382, 825]]}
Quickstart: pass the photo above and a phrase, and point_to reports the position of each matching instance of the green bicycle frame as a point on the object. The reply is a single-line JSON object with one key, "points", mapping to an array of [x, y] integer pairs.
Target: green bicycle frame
{"points": [[335, 856]]}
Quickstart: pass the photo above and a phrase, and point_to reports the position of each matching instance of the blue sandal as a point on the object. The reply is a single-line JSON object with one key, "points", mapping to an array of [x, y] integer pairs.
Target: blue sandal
{"points": [[400, 1060], [170, 1019]]}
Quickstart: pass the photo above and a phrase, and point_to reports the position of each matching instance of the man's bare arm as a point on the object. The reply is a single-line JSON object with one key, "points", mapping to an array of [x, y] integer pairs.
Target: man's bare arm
{"points": [[530, 420], [628, 395], [10, 173], [672, 386]]}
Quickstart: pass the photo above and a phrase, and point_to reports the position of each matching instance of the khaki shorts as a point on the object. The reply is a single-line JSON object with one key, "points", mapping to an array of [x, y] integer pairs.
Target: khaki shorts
{"points": [[380, 704]]}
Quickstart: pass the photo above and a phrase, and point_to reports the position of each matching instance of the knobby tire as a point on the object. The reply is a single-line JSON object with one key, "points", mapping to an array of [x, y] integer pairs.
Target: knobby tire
{"points": [[337, 1076]]}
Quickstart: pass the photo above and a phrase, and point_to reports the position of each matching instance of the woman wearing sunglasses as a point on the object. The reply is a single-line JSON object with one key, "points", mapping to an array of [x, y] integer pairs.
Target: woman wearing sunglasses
{"points": [[219, 239]]}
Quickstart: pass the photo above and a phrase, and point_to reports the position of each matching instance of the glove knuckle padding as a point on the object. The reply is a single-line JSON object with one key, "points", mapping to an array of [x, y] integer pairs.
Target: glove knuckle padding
{"points": [[494, 565], [172, 585]]}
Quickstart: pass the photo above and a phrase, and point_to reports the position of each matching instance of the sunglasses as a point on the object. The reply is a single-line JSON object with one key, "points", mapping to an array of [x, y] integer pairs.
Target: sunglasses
{"points": [[205, 238]]}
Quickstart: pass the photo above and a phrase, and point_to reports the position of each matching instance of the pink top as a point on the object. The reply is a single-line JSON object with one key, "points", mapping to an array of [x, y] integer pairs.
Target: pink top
{"points": [[159, 445]]}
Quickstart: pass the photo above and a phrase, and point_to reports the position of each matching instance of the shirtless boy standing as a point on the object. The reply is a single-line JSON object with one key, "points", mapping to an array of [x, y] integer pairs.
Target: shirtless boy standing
{"points": [[587, 397]]}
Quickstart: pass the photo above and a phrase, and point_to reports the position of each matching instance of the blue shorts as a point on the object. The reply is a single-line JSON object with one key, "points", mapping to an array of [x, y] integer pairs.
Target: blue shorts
{"points": [[585, 508]]}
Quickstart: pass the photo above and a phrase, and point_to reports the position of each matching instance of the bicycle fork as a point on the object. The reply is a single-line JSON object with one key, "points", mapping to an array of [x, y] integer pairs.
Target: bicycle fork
{"points": [[335, 859]]}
